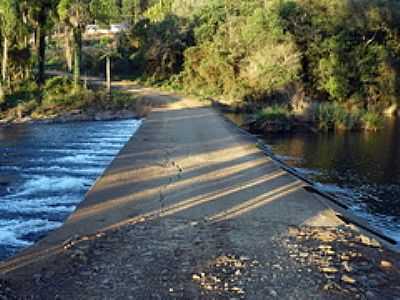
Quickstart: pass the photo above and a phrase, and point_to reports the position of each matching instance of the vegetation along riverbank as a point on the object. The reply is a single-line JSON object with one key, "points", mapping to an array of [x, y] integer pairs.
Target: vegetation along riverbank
{"points": [[334, 64]]}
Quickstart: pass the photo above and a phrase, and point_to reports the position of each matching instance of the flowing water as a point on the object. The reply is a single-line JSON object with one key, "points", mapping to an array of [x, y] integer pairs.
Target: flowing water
{"points": [[361, 168], [45, 171]]}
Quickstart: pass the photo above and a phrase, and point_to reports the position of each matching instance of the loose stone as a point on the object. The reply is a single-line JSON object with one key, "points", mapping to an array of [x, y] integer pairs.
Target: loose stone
{"points": [[369, 241], [329, 270], [386, 264], [348, 279]]}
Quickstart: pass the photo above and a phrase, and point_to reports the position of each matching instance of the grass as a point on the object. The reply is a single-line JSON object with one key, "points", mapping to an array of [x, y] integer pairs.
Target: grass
{"points": [[274, 118], [326, 117], [275, 113], [372, 121], [333, 116], [59, 97]]}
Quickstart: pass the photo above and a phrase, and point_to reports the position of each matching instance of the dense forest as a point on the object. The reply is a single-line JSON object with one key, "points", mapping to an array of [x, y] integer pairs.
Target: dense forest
{"points": [[338, 58]]}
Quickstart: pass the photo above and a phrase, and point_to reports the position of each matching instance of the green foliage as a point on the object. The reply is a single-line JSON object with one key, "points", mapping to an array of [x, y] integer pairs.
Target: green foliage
{"points": [[242, 56], [372, 121], [348, 48], [57, 92], [60, 93], [159, 11], [207, 20], [119, 100], [8, 17], [273, 113], [103, 10], [338, 50], [343, 52], [329, 116], [275, 118], [161, 47], [26, 92]]}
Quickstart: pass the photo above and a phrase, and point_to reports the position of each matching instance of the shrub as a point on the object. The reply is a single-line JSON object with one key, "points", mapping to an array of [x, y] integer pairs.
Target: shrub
{"points": [[26, 91], [372, 121], [328, 116], [247, 58], [275, 118], [161, 46], [59, 91], [273, 113], [28, 107]]}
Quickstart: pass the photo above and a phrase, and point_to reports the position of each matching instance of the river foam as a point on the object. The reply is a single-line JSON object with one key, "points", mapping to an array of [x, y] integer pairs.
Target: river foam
{"points": [[45, 171]]}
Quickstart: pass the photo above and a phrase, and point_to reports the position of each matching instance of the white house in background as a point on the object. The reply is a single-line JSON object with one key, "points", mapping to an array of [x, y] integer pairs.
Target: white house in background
{"points": [[115, 28], [92, 28]]}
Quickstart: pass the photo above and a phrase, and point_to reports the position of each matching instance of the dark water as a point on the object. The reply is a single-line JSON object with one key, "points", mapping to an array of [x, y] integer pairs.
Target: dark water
{"points": [[45, 171], [361, 168]]}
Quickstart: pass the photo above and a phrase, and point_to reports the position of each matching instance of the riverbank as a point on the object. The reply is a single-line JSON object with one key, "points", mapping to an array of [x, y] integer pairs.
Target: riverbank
{"points": [[209, 215], [317, 117], [136, 110], [61, 102], [75, 116]]}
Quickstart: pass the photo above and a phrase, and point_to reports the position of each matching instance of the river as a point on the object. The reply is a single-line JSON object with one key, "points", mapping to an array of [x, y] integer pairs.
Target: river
{"points": [[362, 169], [45, 171]]}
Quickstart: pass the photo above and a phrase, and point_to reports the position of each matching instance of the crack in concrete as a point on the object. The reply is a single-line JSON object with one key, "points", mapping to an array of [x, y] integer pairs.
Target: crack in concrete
{"points": [[167, 163]]}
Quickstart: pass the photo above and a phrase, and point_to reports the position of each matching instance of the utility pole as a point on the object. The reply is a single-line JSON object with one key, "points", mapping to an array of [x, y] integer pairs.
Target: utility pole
{"points": [[5, 59], [108, 74]]}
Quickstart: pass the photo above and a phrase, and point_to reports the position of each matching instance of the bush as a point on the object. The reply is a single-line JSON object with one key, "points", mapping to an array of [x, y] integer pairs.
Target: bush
{"points": [[59, 91], [274, 118], [329, 116], [246, 58], [372, 121], [275, 113], [28, 107], [161, 47], [26, 91]]}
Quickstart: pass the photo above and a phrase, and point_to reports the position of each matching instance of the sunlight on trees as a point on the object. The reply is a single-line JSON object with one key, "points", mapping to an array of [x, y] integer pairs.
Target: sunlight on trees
{"points": [[344, 51]]}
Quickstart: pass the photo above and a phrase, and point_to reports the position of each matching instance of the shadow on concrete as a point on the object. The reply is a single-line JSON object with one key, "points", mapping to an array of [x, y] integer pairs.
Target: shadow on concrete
{"points": [[182, 163]]}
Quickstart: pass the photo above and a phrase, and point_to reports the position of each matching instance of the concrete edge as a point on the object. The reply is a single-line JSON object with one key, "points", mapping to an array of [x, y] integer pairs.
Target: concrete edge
{"points": [[341, 210]]}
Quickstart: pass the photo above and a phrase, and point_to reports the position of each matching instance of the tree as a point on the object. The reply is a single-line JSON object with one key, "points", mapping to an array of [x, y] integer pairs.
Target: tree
{"points": [[41, 11], [8, 22], [131, 10], [76, 14], [18, 20], [108, 50]]}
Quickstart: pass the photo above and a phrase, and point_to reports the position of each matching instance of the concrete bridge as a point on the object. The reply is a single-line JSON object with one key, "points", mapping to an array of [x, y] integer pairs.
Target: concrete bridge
{"points": [[190, 208]]}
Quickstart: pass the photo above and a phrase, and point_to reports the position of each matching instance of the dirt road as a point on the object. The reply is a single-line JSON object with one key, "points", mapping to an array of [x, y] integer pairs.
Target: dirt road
{"points": [[192, 209]]}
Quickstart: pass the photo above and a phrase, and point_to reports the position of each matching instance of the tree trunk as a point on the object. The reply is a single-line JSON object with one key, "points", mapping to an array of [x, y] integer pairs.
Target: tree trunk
{"points": [[136, 12], [41, 44], [108, 74], [1, 93], [68, 50], [5, 60], [41, 35], [77, 56]]}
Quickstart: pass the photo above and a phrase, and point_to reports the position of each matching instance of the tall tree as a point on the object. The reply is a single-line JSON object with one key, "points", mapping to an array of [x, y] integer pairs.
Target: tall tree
{"points": [[8, 22], [41, 11], [76, 15], [131, 10]]}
